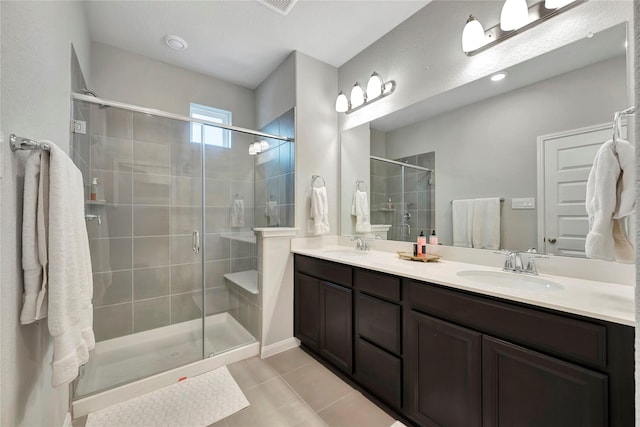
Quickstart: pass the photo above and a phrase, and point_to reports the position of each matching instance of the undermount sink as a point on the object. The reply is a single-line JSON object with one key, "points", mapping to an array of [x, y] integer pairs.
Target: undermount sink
{"points": [[344, 252], [510, 280]]}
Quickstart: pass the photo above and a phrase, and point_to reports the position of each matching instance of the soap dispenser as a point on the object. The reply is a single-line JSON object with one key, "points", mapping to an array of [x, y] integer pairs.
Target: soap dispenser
{"points": [[422, 241], [433, 239]]}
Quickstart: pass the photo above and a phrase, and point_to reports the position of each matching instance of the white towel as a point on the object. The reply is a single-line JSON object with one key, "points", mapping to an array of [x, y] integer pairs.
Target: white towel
{"points": [[486, 223], [237, 212], [273, 213], [320, 210], [34, 237], [70, 280], [462, 216], [360, 209], [609, 199]]}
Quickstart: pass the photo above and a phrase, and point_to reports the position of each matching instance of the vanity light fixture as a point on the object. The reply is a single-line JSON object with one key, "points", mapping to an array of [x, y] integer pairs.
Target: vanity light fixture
{"points": [[515, 18], [514, 15], [358, 95], [376, 88]]}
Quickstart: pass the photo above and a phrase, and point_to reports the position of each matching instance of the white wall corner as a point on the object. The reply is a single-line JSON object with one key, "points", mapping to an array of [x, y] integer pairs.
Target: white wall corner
{"points": [[279, 347]]}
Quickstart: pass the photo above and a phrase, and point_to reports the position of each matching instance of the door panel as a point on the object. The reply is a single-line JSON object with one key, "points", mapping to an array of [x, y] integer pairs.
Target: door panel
{"points": [[525, 388]]}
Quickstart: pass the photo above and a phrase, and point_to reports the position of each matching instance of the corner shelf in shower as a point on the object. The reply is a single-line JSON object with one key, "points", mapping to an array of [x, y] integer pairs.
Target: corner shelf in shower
{"points": [[247, 280], [96, 202], [386, 210], [241, 237]]}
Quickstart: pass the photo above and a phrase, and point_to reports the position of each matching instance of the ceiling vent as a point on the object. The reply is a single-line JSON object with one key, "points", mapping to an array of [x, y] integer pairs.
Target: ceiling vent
{"points": [[280, 6]]}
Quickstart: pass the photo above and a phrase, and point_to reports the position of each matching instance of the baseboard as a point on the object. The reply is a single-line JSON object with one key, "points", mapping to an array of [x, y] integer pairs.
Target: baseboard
{"points": [[67, 420], [279, 347]]}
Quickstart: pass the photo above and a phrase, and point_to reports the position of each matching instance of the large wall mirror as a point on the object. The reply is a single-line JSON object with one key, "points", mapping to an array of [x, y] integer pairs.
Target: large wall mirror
{"points": [[512, 139]]}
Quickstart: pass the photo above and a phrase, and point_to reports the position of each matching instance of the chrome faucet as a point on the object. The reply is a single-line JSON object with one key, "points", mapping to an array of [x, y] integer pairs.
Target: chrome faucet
{"points": [[361, 244], [513, 262]]}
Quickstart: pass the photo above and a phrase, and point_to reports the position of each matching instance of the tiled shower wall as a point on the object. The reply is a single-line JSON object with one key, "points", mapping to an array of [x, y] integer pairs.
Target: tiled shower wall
{"points": [[149, 202], [275, 176], [419, 195]]}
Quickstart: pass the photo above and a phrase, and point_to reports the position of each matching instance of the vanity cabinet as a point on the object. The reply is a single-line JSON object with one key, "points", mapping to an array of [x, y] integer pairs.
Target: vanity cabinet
{"points": [[323, 310], [438, 356], [378, 355]]}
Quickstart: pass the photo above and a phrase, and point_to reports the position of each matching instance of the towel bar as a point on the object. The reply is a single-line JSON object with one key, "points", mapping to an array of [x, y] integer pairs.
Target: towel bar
{"points": [[21, 143]]}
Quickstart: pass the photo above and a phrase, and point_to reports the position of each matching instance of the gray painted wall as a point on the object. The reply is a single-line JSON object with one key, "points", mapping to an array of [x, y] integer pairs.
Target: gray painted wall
{"points": [[36, 86], [489, 148]]}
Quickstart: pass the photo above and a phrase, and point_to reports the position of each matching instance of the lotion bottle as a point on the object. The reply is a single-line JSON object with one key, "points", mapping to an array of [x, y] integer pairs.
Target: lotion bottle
{"points": [[433, 239], [422, 240]]}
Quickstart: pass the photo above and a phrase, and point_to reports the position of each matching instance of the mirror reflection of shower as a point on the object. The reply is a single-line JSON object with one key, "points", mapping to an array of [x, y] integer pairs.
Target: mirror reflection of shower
{"points": [[403, 194]]}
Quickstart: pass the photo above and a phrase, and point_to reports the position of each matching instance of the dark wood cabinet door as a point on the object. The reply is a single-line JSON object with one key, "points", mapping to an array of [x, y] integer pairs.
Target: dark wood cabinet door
{"points": [[307, 310], [525, 388], [444, 373], [336, 343]]}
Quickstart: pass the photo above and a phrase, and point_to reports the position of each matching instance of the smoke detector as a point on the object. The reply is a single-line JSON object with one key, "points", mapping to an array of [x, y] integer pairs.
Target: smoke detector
{"points": [[175, 42], [280, 6]]}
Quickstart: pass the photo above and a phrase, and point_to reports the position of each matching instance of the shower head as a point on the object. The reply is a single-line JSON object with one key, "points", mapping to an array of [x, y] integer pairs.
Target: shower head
{"points": [[92, 93], [88, 92]]}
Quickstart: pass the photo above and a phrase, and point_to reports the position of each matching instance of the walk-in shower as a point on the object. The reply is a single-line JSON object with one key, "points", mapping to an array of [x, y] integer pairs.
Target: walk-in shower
{"points": [[170, 229], [403, 193]]}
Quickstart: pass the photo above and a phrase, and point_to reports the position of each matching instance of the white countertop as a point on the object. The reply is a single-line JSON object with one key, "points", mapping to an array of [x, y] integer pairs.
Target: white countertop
{"points": [[606, 301]]}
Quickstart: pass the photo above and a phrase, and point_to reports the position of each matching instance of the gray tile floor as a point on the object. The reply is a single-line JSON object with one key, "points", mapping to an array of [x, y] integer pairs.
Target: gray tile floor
{"points": [[293, 389]]}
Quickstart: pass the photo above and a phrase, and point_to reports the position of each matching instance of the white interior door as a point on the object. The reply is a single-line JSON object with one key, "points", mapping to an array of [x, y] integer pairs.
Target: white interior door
{"points": [[564, 161]]}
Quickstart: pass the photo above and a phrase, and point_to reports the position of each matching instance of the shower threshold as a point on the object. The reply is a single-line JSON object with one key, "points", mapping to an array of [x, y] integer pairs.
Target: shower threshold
{"points": [[125, 367]]}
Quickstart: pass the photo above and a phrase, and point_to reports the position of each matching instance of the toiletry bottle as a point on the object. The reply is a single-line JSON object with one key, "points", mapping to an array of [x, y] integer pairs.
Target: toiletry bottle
{"points": [[422, 240], [433, 239], [389, 205], [94, 189]]}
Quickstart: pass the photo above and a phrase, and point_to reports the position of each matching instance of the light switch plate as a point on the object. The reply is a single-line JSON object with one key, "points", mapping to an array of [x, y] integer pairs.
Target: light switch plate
{"points": [[523, 203]]}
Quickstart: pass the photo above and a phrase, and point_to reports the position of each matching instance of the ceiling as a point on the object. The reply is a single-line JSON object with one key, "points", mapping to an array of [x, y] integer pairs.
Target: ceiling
{"points": [[242, 41]]}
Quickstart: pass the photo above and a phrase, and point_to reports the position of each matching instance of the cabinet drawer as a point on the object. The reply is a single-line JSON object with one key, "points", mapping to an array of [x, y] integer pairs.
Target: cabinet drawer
{"points": [[325, 270], [379, 322], [377, 284], [380, 372], [571, 338]]}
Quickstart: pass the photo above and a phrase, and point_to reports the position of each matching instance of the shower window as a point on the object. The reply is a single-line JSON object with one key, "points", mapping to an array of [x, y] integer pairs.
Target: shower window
{"points": [[209, 134]]}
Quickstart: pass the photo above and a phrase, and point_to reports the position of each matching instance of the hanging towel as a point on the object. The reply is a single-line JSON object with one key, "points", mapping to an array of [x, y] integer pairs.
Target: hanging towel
{"points": [[608, 200], [34, 237], [70, 278], [237, 212], [273, 213], [320, 210], [462, 216], [486, 223], [360, 209]]}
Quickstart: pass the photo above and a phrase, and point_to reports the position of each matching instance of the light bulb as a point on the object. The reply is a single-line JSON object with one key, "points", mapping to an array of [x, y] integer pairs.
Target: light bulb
{"points": [[342, 103], [264, 145], [556, 4], [358, 96], [472, 35], [374, 86], [515, 14]]}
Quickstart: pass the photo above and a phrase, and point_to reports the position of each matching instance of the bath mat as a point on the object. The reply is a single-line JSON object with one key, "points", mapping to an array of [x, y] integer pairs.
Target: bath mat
{"points": [[194, 402]]}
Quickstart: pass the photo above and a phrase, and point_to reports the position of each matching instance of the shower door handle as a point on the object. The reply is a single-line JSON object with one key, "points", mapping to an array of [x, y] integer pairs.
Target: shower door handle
{"points": [[196, 242]]}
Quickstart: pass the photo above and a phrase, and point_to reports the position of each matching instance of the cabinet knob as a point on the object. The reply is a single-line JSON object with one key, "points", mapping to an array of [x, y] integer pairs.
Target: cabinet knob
{"points": [[552, 240]]}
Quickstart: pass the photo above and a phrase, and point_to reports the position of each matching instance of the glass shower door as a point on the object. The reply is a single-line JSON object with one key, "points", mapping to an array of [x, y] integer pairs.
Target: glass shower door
{"points": [[143, 229]]}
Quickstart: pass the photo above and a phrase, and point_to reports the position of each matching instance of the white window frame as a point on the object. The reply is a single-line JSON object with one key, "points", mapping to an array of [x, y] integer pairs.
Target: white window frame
{"points": [[197, 130]]}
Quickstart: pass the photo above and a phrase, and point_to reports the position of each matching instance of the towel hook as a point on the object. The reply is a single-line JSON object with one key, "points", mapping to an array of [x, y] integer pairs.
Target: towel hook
{"points": [[315, 177], [358, 182], [616, 122]]}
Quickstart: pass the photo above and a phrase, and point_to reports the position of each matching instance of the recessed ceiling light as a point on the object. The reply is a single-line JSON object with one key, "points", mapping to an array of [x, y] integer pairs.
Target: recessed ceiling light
{"points": [[498, 77], [175, 42]]}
